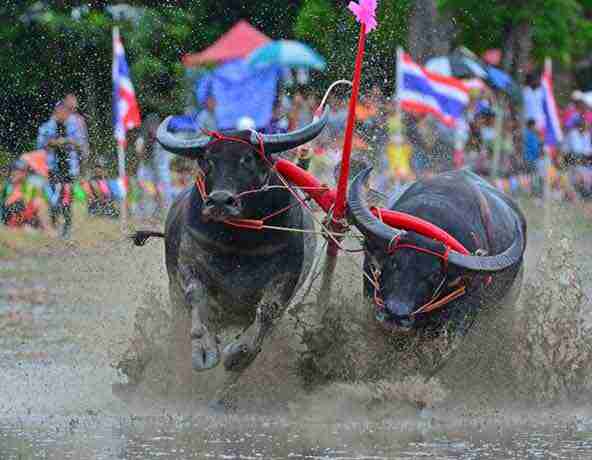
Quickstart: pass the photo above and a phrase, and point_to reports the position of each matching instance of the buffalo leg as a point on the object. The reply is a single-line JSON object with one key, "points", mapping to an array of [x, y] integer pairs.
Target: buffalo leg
{"points": [[238, 355], [194, 347], [205, 353]]}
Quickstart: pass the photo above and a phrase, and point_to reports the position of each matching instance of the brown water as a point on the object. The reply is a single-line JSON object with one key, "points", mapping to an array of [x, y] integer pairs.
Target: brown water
{"points": [[518, 388]]}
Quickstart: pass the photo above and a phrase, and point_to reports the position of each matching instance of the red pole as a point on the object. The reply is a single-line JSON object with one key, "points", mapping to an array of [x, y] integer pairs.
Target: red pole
{"points": [[339, 210]]}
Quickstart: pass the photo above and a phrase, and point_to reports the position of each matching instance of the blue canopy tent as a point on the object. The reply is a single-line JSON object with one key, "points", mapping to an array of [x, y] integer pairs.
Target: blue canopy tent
{"points": [[240, 90]]}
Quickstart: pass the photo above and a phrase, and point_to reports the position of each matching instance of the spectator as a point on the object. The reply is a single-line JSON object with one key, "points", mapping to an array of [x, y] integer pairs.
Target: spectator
{"points": [[62, 141], [301, 114], [206, 118], [577, 147], [531, 95], [532, 146], [154, 164], [576, 108], [77, 119], [100, 204], [22, 205], [278, 123]]}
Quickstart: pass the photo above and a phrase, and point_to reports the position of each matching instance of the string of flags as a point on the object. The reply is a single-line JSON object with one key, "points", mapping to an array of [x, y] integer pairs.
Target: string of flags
{"points": [[523, 183], [85, 191]]}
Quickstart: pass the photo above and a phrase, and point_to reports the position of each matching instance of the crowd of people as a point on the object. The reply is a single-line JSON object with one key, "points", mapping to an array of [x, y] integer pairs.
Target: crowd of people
{"points": [[400, 146]]}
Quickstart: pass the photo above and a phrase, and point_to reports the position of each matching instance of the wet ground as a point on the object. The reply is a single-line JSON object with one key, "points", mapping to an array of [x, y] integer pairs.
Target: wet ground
{"points": [[66, 315]]}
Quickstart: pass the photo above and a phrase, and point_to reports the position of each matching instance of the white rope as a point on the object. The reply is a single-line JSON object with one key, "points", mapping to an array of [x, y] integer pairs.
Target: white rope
{"points": [[333, 85]]}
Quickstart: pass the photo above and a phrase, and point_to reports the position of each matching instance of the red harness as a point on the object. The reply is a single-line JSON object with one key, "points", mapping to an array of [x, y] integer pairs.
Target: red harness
{"points": [[250, 224], [439, 299]]}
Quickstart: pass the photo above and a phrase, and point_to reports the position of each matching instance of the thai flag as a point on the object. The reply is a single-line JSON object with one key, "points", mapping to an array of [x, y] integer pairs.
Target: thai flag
{"points": [[552, 126], [422, 91], [126, 113]]}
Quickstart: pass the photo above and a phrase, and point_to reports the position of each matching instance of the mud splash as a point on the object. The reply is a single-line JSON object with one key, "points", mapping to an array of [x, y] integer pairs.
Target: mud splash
{"points": [[552, 331], [535, 350]]}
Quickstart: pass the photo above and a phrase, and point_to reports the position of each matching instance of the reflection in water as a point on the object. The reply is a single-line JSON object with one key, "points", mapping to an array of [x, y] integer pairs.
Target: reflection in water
{"points": [[264, 438]]}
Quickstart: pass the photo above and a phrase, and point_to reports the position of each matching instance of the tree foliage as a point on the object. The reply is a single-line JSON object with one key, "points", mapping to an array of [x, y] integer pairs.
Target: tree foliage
{"points": [[560, 28], [331, 29], [47, 51]]}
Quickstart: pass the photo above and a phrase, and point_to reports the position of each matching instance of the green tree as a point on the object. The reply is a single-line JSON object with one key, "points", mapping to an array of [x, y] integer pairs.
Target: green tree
{"points": [[522, 29], [332, 30]]}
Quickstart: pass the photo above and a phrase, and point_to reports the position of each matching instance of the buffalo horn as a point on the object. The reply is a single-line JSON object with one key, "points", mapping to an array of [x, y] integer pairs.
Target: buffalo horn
{"points": [[506, 259], [191, 147], [363, 219], [276, 143]]}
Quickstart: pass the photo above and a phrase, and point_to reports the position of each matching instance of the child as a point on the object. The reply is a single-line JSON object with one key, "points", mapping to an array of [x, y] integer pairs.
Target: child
{"points": [[21, 204]]}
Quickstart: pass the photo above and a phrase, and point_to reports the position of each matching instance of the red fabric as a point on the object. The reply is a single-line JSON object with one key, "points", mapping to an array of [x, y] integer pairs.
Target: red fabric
{"points": [[493, 56], [238, 42]]}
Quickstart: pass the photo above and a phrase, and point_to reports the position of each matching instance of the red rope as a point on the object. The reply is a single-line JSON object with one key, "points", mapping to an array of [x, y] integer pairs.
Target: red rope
{"points": [[443, 257], [250, 224]]}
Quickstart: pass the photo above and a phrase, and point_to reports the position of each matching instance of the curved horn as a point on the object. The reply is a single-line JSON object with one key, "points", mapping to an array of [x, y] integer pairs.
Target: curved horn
{"points": [[363, 219], [190, 148], [275, 143], [506, 259]]}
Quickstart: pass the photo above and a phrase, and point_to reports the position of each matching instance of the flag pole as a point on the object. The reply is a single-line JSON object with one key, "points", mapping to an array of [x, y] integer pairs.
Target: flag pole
{"points": [[547, 167], [398, 82], [120, 142], [123, 182]]}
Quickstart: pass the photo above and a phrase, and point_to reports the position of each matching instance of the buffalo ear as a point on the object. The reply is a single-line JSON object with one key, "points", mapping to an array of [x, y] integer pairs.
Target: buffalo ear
{"points": [[188, 147]]}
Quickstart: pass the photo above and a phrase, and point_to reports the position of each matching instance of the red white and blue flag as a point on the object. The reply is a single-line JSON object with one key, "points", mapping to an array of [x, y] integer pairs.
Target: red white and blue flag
{"points": [[126, 112], [552, 124], [424, 92]]}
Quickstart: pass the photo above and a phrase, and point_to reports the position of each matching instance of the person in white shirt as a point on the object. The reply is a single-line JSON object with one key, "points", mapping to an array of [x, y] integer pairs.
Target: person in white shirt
{"points": [[532, 101], [577, 144]]}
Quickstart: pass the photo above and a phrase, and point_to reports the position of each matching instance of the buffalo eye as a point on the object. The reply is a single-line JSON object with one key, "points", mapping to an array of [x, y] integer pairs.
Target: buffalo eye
{"points": [[246, 161], [434, 278], [394, 264], [206, 165]]}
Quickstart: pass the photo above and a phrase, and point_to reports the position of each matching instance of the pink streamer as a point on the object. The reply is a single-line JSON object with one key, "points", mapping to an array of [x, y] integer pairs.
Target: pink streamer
{"points": [[365, 13]]}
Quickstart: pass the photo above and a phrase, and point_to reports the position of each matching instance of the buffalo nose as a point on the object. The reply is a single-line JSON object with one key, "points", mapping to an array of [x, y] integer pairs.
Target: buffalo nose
{"points": [[221, 199], [404, 322], [400, 312]]}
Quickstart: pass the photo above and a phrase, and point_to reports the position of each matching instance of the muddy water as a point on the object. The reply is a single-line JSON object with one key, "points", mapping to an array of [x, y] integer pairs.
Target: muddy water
{"points": [[274, 438], [518, 389]]}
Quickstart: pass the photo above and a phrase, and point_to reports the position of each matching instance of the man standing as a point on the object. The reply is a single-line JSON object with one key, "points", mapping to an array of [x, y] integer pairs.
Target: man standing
{"points": [[76, 119], [206, 118], [62, 141]]}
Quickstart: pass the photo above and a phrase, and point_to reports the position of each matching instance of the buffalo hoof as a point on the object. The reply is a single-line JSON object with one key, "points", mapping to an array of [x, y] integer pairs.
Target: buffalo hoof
{"points": [[202, 357], [237, 356]]}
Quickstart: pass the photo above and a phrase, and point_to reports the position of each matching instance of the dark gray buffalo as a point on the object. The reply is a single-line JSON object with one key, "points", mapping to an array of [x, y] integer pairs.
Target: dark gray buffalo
{"points": [[420, 283], [219, 274]]}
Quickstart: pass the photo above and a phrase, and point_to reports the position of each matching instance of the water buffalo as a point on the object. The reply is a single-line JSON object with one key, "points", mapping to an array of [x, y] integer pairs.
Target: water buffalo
{"points": [[220, 274], [420, 282]]}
